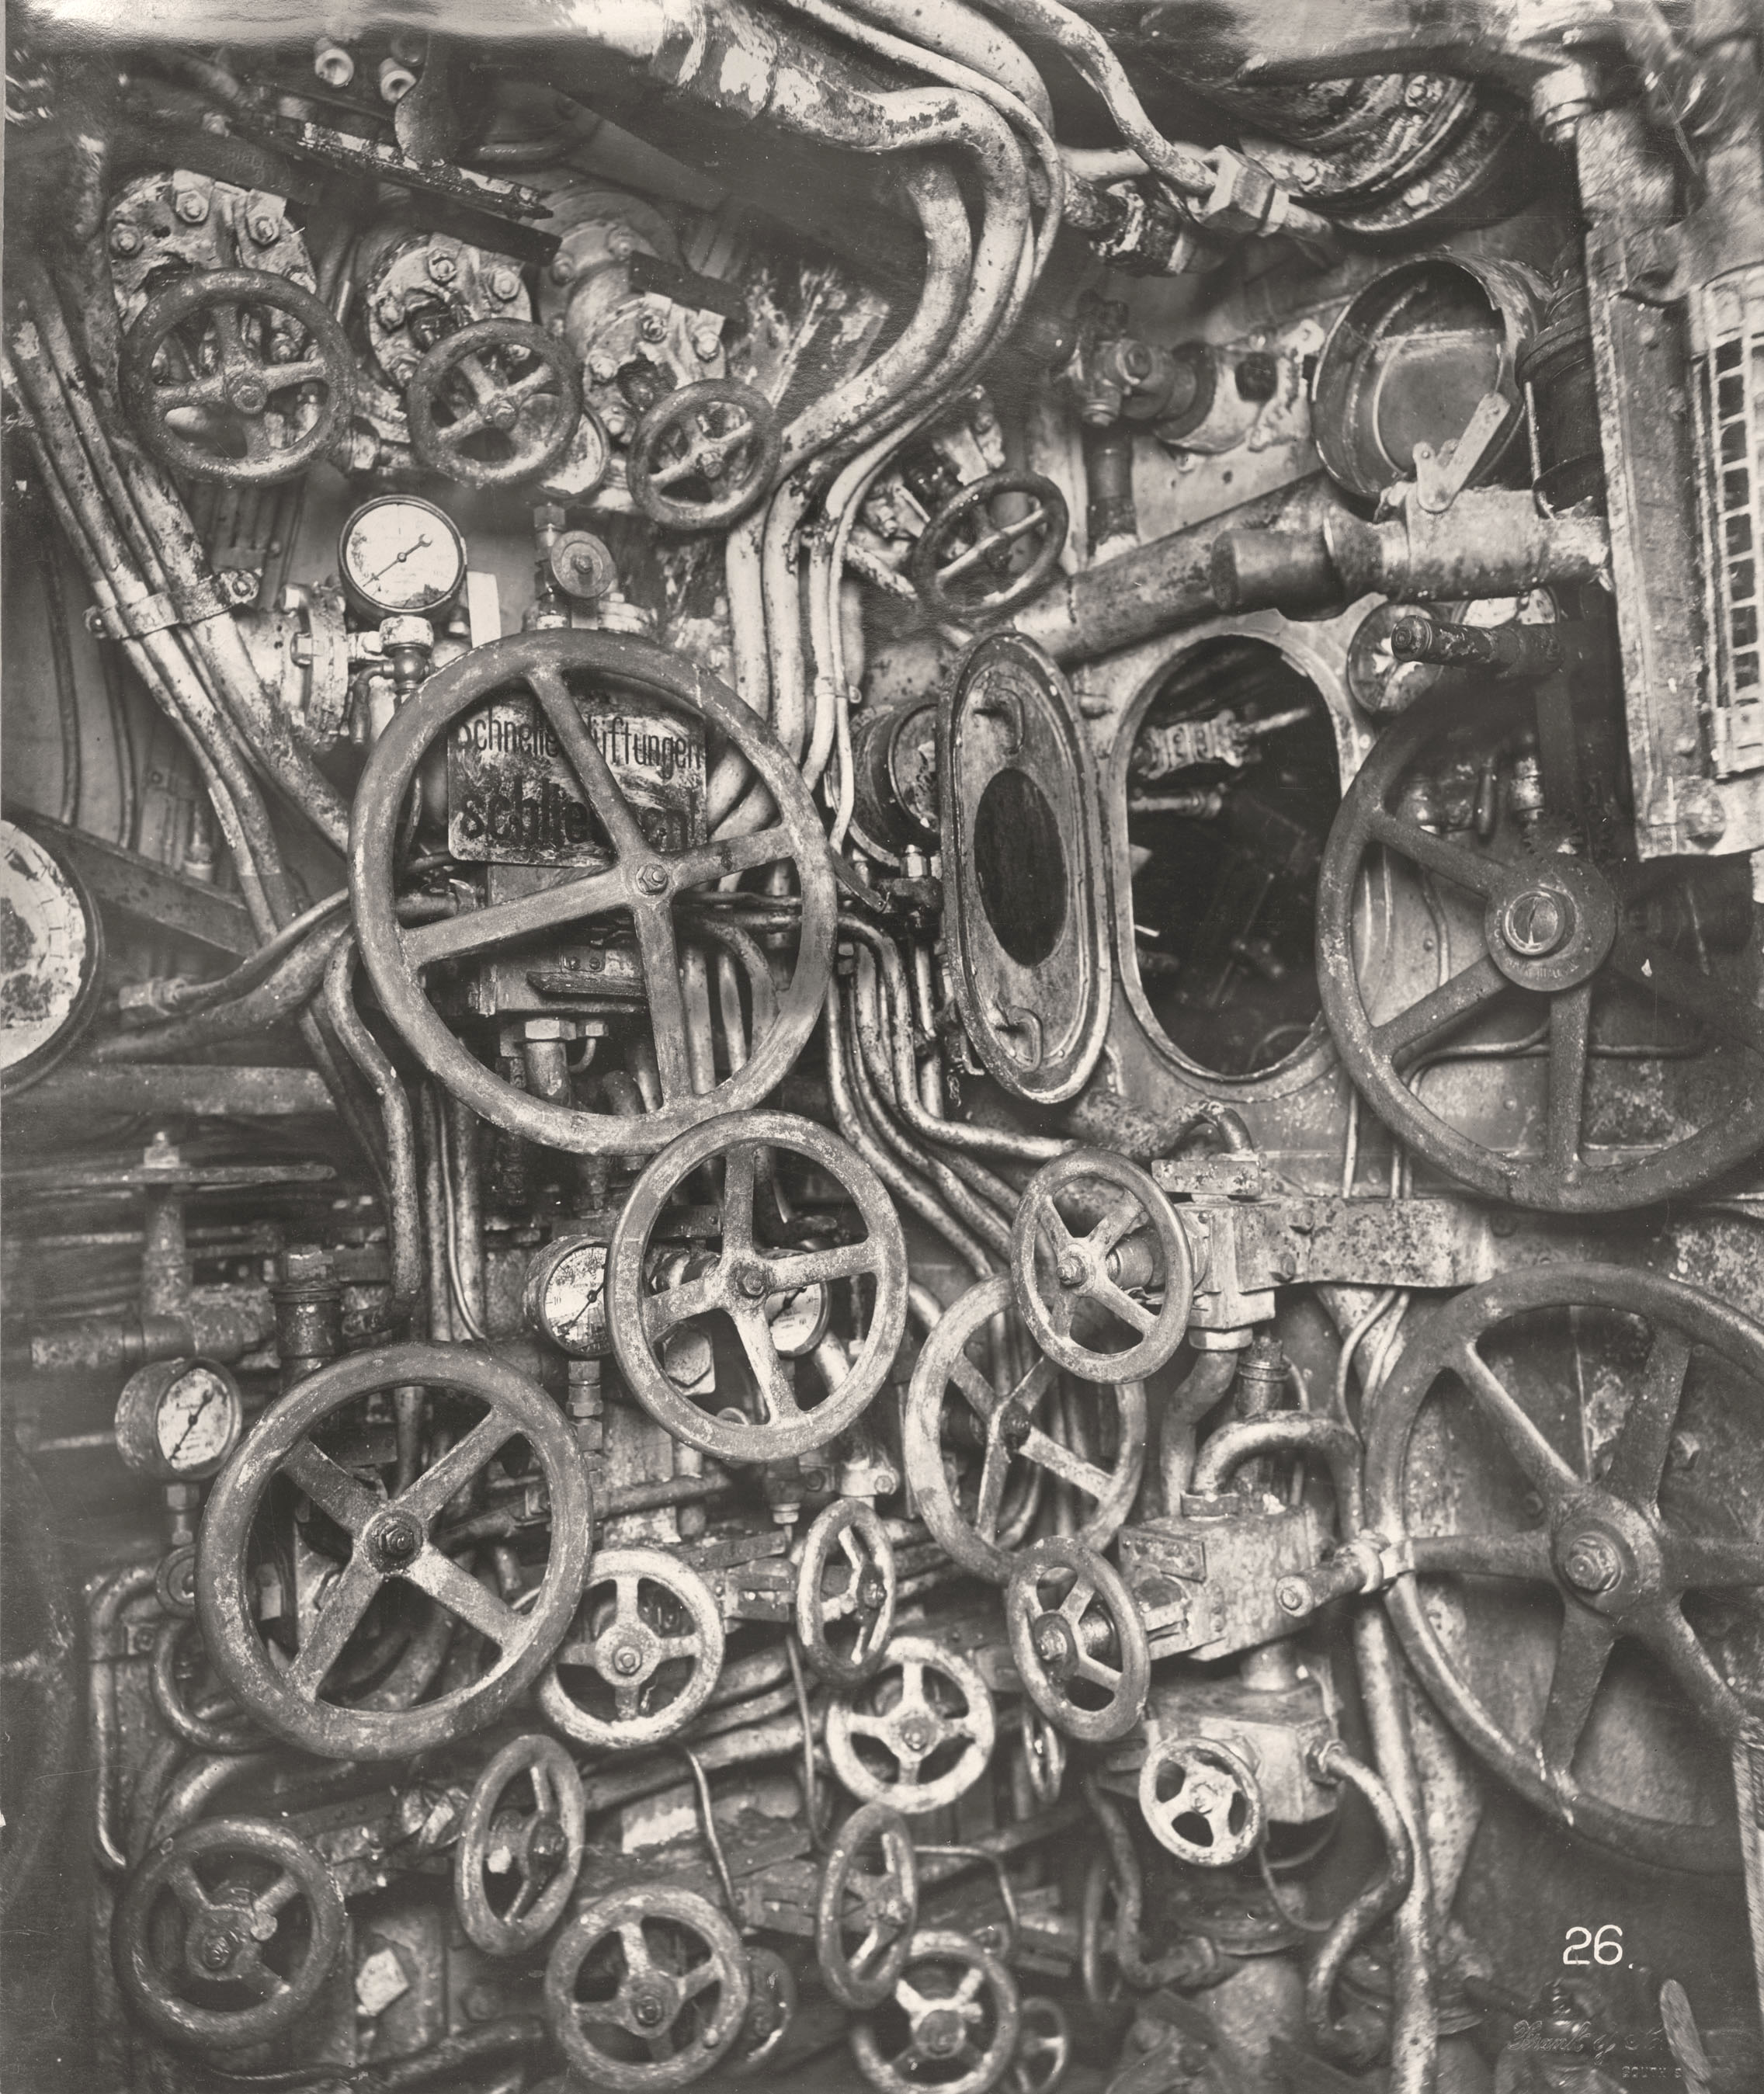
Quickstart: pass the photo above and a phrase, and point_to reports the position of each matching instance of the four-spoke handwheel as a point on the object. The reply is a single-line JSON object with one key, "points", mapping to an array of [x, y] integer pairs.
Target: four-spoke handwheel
{"points": [[494, 404]]}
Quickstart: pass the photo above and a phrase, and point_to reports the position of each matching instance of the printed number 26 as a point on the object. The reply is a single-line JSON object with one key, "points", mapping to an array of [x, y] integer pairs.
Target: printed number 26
{"points": [[1606, 1945]]}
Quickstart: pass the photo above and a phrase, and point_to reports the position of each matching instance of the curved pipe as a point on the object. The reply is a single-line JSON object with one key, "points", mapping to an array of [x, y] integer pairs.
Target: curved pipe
{"points": [[1189, 1963], [954, 31], [1334, 1763], [1207, 1382], [404, 1202], [287, 989], [907, 1190], [104, 1612], [1287, 1431], [951, 1134]]}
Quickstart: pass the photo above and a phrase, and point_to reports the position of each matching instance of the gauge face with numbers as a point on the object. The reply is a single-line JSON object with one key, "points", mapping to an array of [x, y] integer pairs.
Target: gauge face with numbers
{"points": [[51, 953], [402, 554], [566, 1297], [179, 1419]]}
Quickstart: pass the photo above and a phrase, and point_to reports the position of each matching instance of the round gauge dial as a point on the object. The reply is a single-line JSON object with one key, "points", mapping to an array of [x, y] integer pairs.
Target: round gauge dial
{"points": [[567, 1297], [51, 953], [402, 554], [178, 1420], [799, 1317]]}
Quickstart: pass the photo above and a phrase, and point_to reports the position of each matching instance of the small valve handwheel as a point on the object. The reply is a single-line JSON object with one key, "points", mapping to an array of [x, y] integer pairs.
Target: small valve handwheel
{"points": [[744, 1277], [1638, 1544], [536, 1854], [967, 565], [1078, 1640], [647, 1989], [1044, 2051], [772, 2007], [644, 1654], [386, 1538], [878, 1904], [643, 884], [1200, 1801], [225, 1935], [1137, 1243], [952, 1403], [846, 1586], [952, 2023], [236, 375], [702, 457], [919, 1735], [493, 405]]}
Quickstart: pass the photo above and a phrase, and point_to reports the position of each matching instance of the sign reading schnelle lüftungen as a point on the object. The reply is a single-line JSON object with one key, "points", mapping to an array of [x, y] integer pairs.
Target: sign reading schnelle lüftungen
{"points": [[513, 798]]}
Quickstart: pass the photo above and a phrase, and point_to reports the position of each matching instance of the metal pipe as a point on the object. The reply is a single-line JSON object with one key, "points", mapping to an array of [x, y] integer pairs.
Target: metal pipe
{"points": [[1286, 1431], [289, 987], [404, 1211], [1333, 1763], [104, 1611]]}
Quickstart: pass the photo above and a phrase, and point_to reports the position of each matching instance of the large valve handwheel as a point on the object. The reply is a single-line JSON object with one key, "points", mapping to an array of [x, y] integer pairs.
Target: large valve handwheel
{"points": [[702, 457], [866, 1912], [643, 1657], [966, 565], [1078, 1640], [1636, 1542], [1200, 1801], [919, 1735], [1569, 933], [514, 1868], [745, 1278], [494, 404], [225, 1935], [952, 1405], [1137, 1243], [647, 1989], [261, 368], [846, 1588], [384, 1537], [1044, 2051], [641, 883], [951, 2023]]}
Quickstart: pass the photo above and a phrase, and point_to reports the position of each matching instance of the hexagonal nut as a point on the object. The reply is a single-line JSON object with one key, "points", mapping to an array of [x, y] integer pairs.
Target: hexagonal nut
{"points": [[583, 566], [442, 266], [1243, 197]]}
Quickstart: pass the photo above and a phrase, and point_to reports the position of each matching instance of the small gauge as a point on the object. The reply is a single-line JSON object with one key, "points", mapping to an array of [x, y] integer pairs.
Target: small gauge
{"points": [[798, 1319], [401, 554], [51, 956], [178, 1420], [566, 1299]]}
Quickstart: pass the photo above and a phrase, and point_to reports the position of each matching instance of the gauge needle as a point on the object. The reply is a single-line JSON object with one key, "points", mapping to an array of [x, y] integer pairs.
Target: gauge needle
{"points": [[425, 540], [195, 1420]]}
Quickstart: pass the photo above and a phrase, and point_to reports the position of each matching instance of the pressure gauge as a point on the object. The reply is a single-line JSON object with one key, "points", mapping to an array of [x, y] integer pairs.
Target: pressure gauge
{"points": [[566, 1299], [51, 955], [399, 554], [178, 1420], [799, 1317]]}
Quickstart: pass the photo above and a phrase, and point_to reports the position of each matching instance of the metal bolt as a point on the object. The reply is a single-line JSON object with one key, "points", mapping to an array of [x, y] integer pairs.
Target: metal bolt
{"points": [[390, 311], [652, 327], [1050, 1642], [398, 1539], [1014, 1425], [872, 1590], [625, 1659], [602, 368], [915, 1735], [442, 266], [191, 206], [504, 283], [646, 2011], [652, 879], [621, 246], [217, 1952], [617, 419], [265, 230], [1590, 1563], [705, 343], [562, 269], [1536, 923], [1292, 1596], [547, 1845], [124, 239], [332, 64], [751, 1281], [1071, 1270]]}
